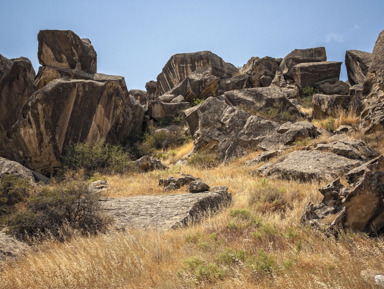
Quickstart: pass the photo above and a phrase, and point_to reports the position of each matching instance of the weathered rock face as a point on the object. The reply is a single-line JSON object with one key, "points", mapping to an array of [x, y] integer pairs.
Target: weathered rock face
{"points": [[139, 95], [287, 134], [8, 167], [64, 49], [330, 105], [164, 212], [237, 82], [146, 164], [66, 111], [358, 208], [179, 66], [16, 86], [271, 102], [259, 69], [307, 166], [5, 65], [332, 86], [307, 74], [375, 77], [357, 63], [225, 130], [199, 84], [159, 110], [298, 56], [372, 117], [10, 247]]}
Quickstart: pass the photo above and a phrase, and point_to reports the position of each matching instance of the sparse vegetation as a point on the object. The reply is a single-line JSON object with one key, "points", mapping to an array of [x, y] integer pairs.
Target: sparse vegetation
{"points": [[97, 157], [203, 160], [306, 96]]}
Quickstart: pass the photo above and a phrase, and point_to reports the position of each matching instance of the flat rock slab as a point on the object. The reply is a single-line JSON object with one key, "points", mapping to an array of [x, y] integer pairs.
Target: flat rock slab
{"points": [[164, 212], [307, 166]]}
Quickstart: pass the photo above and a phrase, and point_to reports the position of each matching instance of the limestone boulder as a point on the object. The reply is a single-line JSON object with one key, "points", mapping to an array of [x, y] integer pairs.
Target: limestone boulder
{"points": [[164, 212], [139, 95], [226, 131], [325, 106], [198, 187], [357, 63], [160, 110], [298, 56], [146, 164], [308, 166], [16, 86], [332, 86], [64, 49], [10, 247], [270, 102], [374, 80], [261, 71], [308, 74], [359, 207], [287, 134], [8, 167], [199, 84], [240, 81], [70, 111], [179, 66]]}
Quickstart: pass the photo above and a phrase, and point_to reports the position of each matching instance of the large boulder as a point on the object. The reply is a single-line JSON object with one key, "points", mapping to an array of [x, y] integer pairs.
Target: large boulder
{"points": [[225, 130], [259, 69], [372, 116], [308, 166], [64, 49], [308, 74], [165, 212], [270, 102], [374, 80], [240, 81], [140, 95], [331, 105], [288, 134], [179, 66], [70, 111], [8, 167], [159, 110], [359, 207], [16, 86], [357, 63], [298, 56], [5, 65], [332, 86]]}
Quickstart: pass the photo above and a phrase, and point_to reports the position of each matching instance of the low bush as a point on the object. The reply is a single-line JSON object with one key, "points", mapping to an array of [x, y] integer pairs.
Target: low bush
{"points": [[60, 211], [306, 96], [13, 191], [203, 160], [96, 157]]}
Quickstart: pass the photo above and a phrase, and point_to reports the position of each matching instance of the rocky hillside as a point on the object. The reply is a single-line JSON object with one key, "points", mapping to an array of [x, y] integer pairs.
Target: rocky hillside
{"points": [[300, 123]]}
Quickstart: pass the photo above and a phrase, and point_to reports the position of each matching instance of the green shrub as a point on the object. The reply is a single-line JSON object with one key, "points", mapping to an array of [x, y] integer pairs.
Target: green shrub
{"points": [[263, 262], [99, 156], [13, 190], [201, 271], [203, 160], [230, 257], [54, 210], [330, 124], [306, 96]]}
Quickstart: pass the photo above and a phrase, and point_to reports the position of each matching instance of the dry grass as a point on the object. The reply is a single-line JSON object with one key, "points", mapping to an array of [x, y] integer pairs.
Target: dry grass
{"points": [[257, 243]]}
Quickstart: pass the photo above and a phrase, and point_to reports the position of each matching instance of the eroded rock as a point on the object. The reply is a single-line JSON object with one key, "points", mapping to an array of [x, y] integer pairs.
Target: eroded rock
{"points": [[357, 63], [308, 74], [165, 212], [146, 164]]}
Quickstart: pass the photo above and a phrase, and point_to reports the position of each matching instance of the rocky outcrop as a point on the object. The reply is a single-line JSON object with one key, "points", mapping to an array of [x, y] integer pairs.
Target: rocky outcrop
{"points": [[331, 105], [8, 167], [16, 86], [10, 247], [70, 111], [225, 130], [270, 102], [64, 49], [5, 65], [165, 212], [332, 86], [372, 116], [139, 95], [359, 207], [199, 84], [357, 63], [261, 71], [298, 56], [146, 164], [159, 110], [287, 134], [179, 66], [374, 80], [262, 157], [308, 166], [308, 74], [240, 81]]}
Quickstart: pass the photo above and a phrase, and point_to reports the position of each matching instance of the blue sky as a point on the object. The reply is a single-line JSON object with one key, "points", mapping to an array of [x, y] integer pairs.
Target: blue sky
{"points": [[136, 38]]}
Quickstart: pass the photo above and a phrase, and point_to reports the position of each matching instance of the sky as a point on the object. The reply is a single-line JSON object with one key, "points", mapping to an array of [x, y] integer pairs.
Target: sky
{"points": [[135, 39]]}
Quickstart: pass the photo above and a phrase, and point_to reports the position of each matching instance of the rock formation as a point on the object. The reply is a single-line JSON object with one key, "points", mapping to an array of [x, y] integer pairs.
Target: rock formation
{"points": [[357, 64]]}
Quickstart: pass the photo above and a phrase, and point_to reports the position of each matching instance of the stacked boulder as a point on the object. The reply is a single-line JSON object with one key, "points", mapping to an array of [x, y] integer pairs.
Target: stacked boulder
{"points": [[68, 103]]}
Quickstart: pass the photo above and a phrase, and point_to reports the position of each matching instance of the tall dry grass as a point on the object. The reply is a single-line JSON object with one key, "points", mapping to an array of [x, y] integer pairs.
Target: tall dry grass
{"points": [[256, 243]]}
